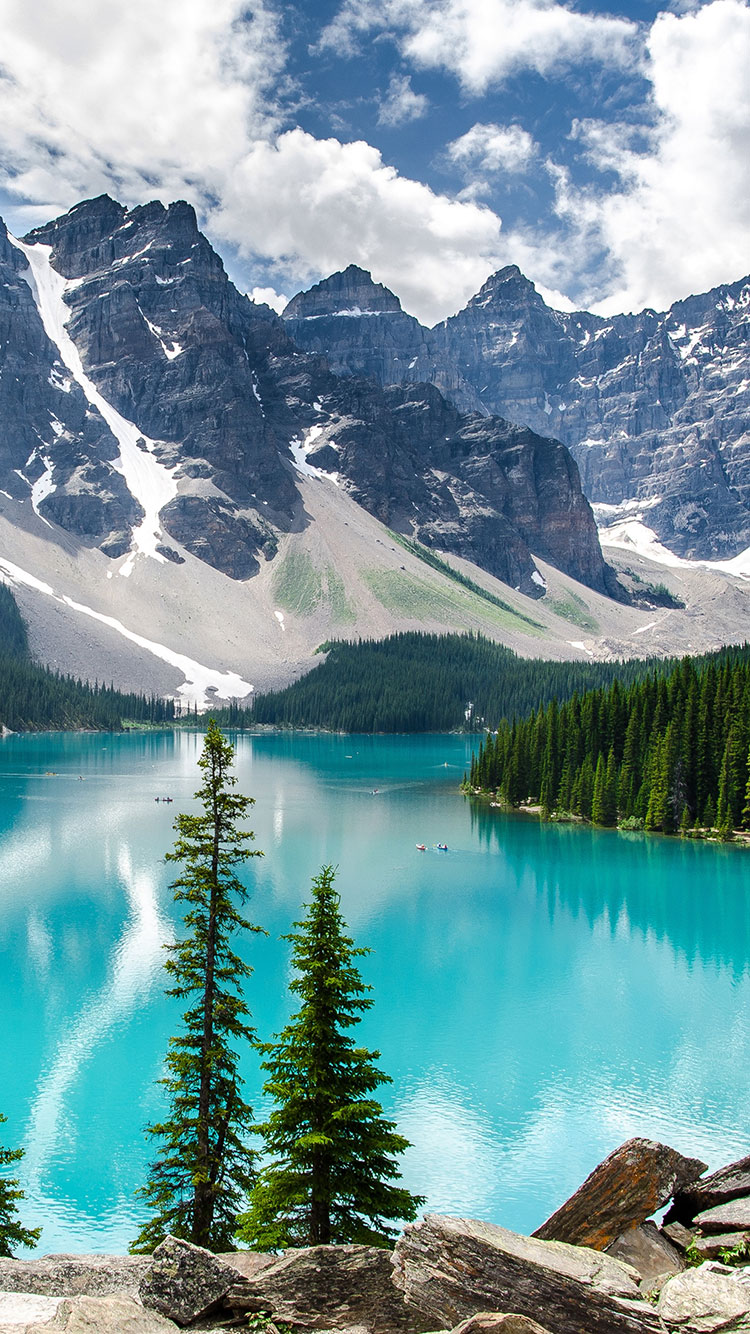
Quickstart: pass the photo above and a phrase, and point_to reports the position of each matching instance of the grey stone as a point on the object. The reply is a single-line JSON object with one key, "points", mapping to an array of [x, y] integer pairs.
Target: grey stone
{"points": [[630, 1184], [734, 1216], [20, 1309], [184, 1281], [334, 1287], [729, 1183], [707, 1299], [711, 1247], [647, 1251], [495, 1322], [103, 1315], [678, 1234], [72, 1275], [451, 1268]]}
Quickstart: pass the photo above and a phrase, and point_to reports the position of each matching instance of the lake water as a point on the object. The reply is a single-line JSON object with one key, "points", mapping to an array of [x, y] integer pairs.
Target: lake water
{"points": [[541, 992]]}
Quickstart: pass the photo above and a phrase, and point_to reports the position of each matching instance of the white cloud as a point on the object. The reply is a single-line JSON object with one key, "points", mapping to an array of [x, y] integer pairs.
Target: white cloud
{"points": [[484, 42], [268, 296], [316, 205], [401, 103], [493, 148], [679, 219]]}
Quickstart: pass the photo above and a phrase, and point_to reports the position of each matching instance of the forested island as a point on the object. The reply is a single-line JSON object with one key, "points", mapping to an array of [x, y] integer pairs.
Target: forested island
{"points": [[667, 753], [35, 699], [416, 682]]}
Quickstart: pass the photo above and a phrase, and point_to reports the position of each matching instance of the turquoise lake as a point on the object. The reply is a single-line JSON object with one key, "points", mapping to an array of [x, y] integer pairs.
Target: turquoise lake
{"points": [[541, 992]]}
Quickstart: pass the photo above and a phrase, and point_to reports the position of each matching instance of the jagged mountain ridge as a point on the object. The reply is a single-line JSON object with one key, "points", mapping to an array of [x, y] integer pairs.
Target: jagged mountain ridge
{"points": [[653, 406], [162, 412]]}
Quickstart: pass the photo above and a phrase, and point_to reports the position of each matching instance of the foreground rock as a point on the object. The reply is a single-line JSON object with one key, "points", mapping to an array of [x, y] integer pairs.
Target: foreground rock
{"points": [[729, 1183], [74, 1275], [493, 1322], [83, 1315], [648, 1251], [450, 1268], [635, 1180], [185, 1282], [731, 1217], [707, 1299], [330, 1287]]}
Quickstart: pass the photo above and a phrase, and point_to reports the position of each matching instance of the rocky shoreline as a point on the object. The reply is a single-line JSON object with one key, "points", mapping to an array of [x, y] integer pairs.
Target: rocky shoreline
{"points": [[598, 1265]]}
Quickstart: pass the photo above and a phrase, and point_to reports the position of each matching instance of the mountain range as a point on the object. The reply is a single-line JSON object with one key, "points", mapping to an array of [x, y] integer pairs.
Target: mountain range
{"points": [[195, 492]]}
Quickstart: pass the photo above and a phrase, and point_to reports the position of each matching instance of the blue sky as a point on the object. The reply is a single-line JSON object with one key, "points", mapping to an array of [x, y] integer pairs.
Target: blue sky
{"points": [[605, 151]]}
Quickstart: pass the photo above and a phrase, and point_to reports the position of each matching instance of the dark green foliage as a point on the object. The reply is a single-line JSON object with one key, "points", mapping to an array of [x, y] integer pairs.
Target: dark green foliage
{"points": [[34, 699], [417, 682], [333, 1153], [12, 1234], [667, 753], [205, 1168]]}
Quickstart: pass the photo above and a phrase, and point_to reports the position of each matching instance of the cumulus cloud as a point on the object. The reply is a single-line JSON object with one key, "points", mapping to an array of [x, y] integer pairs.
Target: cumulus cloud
{"points": [[316, 205], [493, 148], [401, 103], [484, 42], [268, 296], [678, 220]]}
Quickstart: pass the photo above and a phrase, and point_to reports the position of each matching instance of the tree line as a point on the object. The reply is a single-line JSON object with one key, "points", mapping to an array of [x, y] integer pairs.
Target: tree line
{"points": [[667, 753], [330, 1168], [35, 699], [416, 682]]}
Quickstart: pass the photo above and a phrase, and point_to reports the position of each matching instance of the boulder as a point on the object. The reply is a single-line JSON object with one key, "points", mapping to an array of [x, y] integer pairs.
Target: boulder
{"points": [[331, 1287], [18, 1310], [248, 1263], [711, 1297], [497, 1322], [678, 1234], [729, 1183], [711, 1247], [74, 1275], [648, 1251], [98, 1315], [451, 1268], [731, 1217], [185, 1282], [635, 1180]]}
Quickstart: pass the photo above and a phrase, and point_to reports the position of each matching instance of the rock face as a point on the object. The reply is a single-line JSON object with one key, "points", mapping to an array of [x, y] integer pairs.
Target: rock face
{"points": [[184, 1282], [706, 1299], [494, 1323], [653, 406], [75, 1275], [331, 1287], [451, 1268], [646, 1249], [148, 407], [729, 1183], [635, 1180]]}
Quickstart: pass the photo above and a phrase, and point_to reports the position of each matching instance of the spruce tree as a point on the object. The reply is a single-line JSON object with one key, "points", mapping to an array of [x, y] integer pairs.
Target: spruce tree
{"points": [[334, 1155], [12, 1233], [204, 1168]]}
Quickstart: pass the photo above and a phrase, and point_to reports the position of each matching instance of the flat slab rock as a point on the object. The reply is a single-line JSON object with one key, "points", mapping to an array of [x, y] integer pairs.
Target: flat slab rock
{"points": [[451, 1268], [707, 1299], [629, 1185], [648, 1251], [336, 1287], [731, 1217], [75, 1275], [496, 1322], [728, 1183], [87, 1315]]}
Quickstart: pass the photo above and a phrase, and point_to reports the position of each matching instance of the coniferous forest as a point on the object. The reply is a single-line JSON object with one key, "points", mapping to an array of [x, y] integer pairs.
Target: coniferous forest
{"points": [[32, 698], [414, 682], [668, 753]]}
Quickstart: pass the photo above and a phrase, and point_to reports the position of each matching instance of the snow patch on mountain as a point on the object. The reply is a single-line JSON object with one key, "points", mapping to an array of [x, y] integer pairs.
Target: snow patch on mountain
{"points": [[152, 485], [202, 684]]}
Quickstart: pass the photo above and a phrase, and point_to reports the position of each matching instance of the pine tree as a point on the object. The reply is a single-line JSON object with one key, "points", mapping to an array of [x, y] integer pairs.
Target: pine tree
{"points": [[11, 1231], [334, 1154], [205, 1168]]}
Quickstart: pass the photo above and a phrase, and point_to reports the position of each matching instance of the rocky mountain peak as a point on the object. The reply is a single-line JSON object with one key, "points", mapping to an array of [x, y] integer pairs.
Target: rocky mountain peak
{"points": [[507, 287], [350, 291]]}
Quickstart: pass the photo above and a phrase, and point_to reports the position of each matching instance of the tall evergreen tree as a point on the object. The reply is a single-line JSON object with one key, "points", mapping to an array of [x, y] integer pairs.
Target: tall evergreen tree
{"points": [[204, 1168], [12, 1233], [334, 1153]]}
